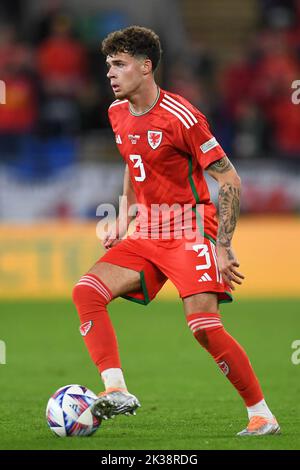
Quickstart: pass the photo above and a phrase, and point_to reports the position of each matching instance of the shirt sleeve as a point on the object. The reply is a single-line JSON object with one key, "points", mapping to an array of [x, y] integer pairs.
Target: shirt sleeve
{"points": [[198, 140]]}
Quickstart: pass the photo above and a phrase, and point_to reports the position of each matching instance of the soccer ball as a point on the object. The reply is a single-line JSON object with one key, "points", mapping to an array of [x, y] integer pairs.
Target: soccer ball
{"points": [[68, 411]]}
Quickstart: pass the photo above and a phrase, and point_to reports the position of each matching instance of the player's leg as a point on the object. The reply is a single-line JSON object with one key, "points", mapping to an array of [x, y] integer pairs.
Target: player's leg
{"points": [[196, 275], [102, 283], [204, 320], [105, 281], [91, 295]]}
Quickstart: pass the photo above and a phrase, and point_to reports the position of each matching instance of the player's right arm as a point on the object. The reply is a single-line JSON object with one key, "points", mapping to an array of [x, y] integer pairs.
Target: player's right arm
{"points": [[128, 199]]}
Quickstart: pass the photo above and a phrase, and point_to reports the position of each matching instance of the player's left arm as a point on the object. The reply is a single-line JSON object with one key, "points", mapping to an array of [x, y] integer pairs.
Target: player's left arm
{"points": [[229, 207]]}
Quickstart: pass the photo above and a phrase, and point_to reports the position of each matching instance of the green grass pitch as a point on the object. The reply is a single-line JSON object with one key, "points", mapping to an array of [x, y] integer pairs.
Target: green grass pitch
{"points": [[186, 401]]}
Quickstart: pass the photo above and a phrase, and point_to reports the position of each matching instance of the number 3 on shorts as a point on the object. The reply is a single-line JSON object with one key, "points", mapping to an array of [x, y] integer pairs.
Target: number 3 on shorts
{"points": [[202, 250], [137, 160]]}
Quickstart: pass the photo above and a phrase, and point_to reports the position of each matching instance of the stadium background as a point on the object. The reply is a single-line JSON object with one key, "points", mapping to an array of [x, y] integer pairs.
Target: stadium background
{"points": [[58, 162]]}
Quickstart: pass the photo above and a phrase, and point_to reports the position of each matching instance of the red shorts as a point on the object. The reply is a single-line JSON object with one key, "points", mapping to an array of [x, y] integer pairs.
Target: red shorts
{"points": [[192, 271]]}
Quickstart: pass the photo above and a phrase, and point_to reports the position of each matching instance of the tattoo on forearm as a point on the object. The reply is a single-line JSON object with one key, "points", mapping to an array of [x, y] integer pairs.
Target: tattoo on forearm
{"points": [[229, 254], [221, 166], [229, 208]]}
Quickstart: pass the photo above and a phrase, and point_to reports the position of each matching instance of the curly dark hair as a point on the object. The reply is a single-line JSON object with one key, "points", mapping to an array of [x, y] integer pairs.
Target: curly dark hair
{"points": [[136, 41]]}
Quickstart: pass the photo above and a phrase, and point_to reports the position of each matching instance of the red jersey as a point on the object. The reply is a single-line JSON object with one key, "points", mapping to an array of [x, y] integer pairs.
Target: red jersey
{"points": [[167, 150]]}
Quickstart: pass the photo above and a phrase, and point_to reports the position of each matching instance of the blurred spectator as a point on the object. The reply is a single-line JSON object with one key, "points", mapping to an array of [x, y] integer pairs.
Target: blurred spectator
{"points": [[185, 83], [40, 30], [18, 117], [285, 121], [62, 60], [63, 68], [235, 83], [201, 59], [257, 97], [12, 51], [277, 69], [250, 131]]}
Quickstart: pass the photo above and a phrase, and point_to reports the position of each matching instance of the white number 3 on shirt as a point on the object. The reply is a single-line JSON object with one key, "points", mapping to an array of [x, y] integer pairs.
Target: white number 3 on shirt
{"points": [[137, 160]]}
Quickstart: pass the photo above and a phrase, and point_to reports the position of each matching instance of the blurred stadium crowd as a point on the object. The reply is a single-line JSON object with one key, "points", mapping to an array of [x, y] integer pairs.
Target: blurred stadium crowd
{"points": [[57, 93]]}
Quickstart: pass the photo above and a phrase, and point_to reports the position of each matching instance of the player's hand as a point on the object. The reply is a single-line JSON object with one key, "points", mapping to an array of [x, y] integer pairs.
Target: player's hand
{"points": [[114, 235], [227, 265], [110, 240]]}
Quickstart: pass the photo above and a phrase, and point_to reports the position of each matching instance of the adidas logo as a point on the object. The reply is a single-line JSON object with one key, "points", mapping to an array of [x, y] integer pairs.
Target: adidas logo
{"points": [[206, 277], [118, 139]]}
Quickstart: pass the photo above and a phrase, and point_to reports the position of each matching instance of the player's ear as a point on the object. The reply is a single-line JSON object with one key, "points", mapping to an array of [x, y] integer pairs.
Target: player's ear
{"points": [[147, 66]]}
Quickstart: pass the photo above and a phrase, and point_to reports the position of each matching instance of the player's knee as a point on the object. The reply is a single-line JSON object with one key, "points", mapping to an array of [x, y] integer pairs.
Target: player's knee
{"points": [[204, 326], [90, 289], [79, 293]]}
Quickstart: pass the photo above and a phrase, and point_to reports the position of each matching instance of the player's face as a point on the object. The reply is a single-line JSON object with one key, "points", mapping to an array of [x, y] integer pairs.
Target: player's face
{"points": [[125, 74]]}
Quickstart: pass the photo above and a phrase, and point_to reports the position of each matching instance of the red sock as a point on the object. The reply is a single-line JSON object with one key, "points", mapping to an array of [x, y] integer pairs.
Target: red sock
{"points": [[90, 295], [228, 354]]}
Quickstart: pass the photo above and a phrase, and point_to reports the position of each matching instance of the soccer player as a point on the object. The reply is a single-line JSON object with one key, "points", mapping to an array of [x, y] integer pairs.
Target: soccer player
{"points": [[166, 144]]}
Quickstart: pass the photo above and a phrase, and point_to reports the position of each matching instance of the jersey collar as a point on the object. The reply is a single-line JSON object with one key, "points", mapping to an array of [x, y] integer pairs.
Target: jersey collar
{"points": [[149, 109]]}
